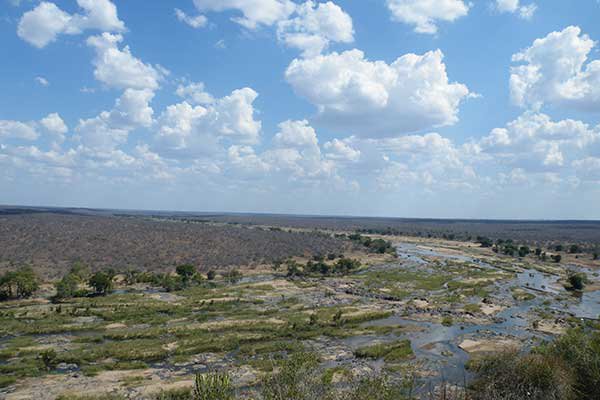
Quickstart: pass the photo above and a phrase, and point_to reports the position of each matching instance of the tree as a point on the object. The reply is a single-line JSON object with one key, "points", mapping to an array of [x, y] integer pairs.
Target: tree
{"points": [[293, 269], [49, 359], [576, 280], [18, 284], [557, 258], [67, 286], [233, 276], [574, 249], [185, 271], [211, 275], [538, 252], [524, 251], [596, 255], [484, 241], [81, 271], [102, 283]]}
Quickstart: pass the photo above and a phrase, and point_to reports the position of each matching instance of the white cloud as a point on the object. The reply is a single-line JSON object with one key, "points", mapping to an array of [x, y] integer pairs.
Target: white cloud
{"points": [[55, 124], [42, 81], [425, 14], [341, 150], [194, 93], [554, 71], [296, 134], [254, 12], [296, 151], [111, 128], [18, 130], [514, 6], [119, 68], [588, 168], [533, 142], [43, 24], [373, 98], [196, 22], [199, 129], [314, 26]]}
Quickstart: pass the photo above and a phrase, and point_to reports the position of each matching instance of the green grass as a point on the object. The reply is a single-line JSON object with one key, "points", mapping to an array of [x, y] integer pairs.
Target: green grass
{"points": [[391, 352]]}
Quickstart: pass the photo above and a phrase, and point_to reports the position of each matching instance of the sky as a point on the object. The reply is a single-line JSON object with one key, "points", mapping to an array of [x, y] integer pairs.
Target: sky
{"points": [[406, 108]]}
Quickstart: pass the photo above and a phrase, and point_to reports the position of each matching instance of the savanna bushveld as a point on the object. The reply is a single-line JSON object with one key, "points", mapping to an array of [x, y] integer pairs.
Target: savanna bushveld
{"points": [[110, 305]]}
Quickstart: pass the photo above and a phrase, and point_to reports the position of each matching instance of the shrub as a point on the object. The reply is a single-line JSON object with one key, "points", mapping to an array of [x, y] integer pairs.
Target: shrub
{"points": [[511, 376], [574, 249], [557, 258], [576, 280], [484, 241], [102, 283], [233, 276], [567, 369], [298, 378], [175, 394], [185, 271], [67, 286], [580, 352], [18, 284], [172, 283], [213, 386], [373, 388], [49, 359], [211, 275]]}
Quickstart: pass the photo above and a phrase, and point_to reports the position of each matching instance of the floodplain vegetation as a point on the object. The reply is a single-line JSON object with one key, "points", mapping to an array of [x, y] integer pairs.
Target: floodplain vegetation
{"points": [[343, 323]]}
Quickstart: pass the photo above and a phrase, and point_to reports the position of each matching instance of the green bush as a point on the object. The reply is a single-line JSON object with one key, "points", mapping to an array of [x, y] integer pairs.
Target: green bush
{"points": [[49, 359], [18, 284], [511, 376], [567, 369], [67, 287], [298, 378], [576, 280], [175, 394], [213, 386], [102, 283]]}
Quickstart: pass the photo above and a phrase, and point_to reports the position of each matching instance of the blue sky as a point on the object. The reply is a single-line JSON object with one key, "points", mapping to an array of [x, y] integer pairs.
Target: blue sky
{"points": [[429, 108]]}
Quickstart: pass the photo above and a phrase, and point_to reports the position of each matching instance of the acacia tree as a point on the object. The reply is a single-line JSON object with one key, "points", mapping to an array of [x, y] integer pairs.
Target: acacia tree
{"points": [[186, 272], [18, 284], [102, 283]]}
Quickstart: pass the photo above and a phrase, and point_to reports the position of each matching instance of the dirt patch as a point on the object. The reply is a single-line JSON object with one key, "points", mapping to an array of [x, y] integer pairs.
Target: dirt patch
{"points": [[489, 345]]}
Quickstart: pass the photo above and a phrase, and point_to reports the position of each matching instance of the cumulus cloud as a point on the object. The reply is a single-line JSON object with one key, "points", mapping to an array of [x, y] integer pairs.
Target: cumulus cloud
{"points": [[118, 68], [194, 93], [18, 130], [296, 151], [47, 21], [196, 22], [535, 143], [255, 13], [314, 26], [425, 14], [42, 81], [341, 150], [190, 129], [111, 128], [54, 124], [515, 7], [556, 70], [373, 98]]}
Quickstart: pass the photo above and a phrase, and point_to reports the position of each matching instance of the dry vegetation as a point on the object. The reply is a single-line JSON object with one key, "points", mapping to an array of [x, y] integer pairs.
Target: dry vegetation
{"points": [[54, 242]]}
